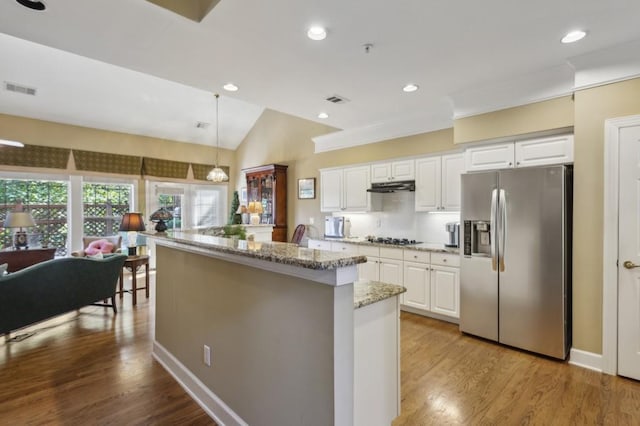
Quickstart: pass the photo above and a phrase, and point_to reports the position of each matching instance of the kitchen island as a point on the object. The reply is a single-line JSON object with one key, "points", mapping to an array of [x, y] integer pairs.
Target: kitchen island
{"points": [[277, 326]]}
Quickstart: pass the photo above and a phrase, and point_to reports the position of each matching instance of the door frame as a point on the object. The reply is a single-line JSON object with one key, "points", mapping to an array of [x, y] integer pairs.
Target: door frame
{"points": [[612, 129]]}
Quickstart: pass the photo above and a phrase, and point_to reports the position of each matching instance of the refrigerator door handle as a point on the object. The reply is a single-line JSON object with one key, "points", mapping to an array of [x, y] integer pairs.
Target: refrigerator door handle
{"points": [[502, 228], [492, 229]]}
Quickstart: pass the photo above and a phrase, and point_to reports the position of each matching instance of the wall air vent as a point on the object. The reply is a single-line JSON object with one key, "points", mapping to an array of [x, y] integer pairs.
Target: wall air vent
{"points": [[13, 87], [337, 99], [202, 125]]}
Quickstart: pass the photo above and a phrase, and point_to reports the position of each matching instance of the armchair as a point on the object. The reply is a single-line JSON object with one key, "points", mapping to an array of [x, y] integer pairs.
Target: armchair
{"points": [[114, 240]]}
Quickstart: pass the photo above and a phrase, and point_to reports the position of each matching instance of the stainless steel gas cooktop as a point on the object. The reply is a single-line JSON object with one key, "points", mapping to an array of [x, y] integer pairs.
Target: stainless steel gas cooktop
{"points": [[393, 241]]}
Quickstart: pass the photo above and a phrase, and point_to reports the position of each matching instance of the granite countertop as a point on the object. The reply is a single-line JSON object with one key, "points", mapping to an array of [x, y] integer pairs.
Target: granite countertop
{"points": [[432, 247], [367, 292], [284, 253]]}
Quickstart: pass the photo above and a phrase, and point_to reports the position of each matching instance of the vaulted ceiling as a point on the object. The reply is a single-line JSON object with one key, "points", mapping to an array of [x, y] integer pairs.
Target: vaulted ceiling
{"points": [[136, 67]]}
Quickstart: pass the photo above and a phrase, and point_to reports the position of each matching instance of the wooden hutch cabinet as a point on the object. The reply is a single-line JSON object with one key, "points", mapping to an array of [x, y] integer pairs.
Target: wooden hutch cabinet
{"points": [[268, 185]]}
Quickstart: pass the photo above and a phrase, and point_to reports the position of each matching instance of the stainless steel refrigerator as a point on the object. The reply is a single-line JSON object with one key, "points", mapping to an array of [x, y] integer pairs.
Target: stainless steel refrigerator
{"points": [[515, 277]]}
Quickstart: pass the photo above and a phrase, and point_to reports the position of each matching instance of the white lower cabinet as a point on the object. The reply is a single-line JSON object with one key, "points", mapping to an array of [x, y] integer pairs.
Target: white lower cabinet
{"points": [[433, 283], [383, 264], [416, 280], [445, 290]]}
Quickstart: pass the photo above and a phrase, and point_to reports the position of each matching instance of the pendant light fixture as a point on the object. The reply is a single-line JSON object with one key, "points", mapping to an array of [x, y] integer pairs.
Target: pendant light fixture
{"points": [[216, 174]]}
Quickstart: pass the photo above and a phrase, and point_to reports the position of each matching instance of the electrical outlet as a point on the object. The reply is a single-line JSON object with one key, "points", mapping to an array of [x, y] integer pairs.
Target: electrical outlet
{"points": [[207, 356], [378, 223], [311, 221]]}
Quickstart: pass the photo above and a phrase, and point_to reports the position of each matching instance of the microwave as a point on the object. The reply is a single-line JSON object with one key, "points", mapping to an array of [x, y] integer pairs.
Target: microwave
{"points": [[336, 226]]}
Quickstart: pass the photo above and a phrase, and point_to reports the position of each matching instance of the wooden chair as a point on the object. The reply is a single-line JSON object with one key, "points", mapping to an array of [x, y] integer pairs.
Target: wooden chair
{"points": [[298, 234]]}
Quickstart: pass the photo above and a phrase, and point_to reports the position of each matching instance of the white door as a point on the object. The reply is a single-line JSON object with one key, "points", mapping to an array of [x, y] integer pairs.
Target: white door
{"points": [[402, 170], [381, 172], [629, 251], [544, 151]]}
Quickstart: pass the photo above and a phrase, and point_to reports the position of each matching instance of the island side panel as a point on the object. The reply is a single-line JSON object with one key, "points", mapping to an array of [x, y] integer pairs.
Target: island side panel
{"points": [[273, 337]]}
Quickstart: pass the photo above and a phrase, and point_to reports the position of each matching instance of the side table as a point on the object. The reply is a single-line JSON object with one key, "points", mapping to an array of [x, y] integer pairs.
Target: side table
{"points": [[20, 259], [133, 263]]}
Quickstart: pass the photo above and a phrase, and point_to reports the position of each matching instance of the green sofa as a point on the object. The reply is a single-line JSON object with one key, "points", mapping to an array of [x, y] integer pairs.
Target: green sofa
{"points": [[55, 287]]}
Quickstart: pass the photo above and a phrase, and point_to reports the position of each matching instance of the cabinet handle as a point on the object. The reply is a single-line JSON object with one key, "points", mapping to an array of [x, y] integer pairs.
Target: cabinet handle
{"points": [[517, 163], [444, 260], [415, 257], [510, 163]]}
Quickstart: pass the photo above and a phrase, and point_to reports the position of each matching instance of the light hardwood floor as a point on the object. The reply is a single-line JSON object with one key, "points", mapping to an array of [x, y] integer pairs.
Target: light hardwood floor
{"points": [[93, 367]]}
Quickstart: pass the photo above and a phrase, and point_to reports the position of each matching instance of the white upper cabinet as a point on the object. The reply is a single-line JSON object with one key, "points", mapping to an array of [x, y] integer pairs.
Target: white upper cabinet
{"points": [[345, 189], [438, 183], [537, 152], [452, 168], [532, 152], [489, 157], [331, 190], [428, 183], [396, 170]]}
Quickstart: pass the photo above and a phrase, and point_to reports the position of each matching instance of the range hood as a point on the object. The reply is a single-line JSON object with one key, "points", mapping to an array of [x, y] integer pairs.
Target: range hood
{"points": [[386, 187]]}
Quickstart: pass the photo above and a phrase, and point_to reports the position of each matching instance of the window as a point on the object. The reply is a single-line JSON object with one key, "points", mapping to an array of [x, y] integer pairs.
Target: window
{"points": [[47, 201], [104, 204]]}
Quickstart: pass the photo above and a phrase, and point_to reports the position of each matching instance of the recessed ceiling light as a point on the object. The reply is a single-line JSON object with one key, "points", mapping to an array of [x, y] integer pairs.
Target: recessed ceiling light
{"points": [[573, 36], [317, 33], [11, 143], [230, 87], [323, 115], [410, 87], [33, 5]]}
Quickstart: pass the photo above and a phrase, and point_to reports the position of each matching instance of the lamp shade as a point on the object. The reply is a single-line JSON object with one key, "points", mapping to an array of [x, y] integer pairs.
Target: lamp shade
{"points": [[132, 222], [161, 214], [19, 220]]}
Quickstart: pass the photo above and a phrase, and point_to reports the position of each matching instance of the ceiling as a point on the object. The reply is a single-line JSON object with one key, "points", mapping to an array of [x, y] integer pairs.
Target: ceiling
{"points": [[134, 67]]}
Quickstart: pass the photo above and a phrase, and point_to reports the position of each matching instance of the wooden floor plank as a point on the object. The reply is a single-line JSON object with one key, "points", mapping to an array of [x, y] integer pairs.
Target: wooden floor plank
{"points": [[93, 367]]}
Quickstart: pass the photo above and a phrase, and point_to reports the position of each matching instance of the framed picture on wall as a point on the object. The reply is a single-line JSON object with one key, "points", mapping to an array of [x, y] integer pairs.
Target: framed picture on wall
{"points": [[306, 188], [243, 195]]}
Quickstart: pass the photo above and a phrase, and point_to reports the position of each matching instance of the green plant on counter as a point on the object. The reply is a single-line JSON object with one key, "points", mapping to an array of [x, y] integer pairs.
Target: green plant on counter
{"points": [[231, 231], [234, 218]]}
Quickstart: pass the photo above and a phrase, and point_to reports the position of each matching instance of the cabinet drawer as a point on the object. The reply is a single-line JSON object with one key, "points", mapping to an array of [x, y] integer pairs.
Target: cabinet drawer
{"points": [[445, 259], [319, 244], [417, 256], [391, 253], [369, 251], [343, 247]]}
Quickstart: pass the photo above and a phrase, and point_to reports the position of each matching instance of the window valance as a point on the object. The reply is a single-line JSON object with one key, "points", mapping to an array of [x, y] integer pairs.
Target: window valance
{"points": [[164, 168], [35, 156], [107, 163], [200, 171]]}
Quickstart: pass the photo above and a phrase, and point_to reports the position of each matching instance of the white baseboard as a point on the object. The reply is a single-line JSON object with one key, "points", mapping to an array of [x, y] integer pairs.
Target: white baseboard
{"points": [[209, 401], [586, 359]]}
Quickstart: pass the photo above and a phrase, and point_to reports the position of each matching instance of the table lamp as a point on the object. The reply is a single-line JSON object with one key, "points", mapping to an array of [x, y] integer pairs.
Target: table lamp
{"points": [[159, 217], [132, 223], [19, 219], [255, 208]]}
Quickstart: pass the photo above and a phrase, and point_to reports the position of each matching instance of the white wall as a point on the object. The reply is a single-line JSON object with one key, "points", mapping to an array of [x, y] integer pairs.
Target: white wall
{"points": [[398, 219]]}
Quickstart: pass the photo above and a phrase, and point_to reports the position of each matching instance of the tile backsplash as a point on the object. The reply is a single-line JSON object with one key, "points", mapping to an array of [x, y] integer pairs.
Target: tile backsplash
{"points": [[399, 219]]}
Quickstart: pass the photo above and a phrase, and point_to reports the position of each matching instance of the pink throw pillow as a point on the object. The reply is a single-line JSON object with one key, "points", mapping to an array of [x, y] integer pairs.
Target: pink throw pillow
{"points": [[99, 246]]}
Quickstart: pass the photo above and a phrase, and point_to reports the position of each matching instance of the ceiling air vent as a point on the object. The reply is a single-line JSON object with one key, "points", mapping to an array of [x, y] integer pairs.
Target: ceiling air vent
{"points": [[13, 87], [337, 99]]}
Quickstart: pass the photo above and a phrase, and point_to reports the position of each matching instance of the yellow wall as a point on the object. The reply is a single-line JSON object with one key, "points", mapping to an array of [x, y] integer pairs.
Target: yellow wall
{"points": [[46, 133], [542, 116], [592, 108], [284, 139]]}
